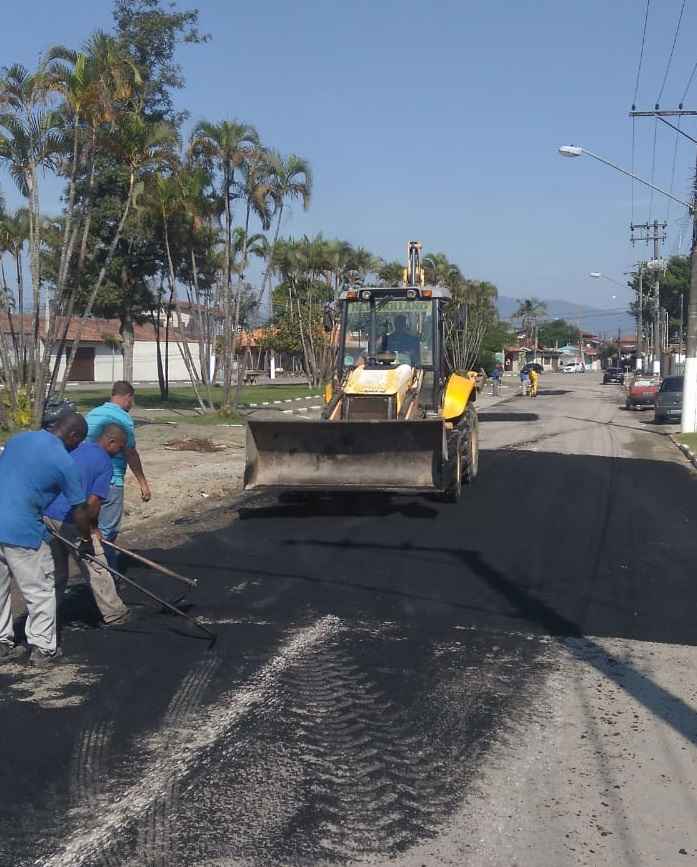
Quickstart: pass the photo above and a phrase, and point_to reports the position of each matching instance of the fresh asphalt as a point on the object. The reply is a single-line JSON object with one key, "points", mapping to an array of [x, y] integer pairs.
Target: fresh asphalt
{"points": [[371, 652]]}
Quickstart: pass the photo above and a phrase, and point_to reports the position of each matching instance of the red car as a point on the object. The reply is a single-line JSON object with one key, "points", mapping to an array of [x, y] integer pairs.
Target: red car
{"points": [[642, 392]]}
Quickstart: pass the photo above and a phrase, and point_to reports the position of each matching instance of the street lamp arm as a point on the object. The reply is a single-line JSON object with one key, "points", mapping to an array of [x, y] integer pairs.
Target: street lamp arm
{"points": [[578, 151]]}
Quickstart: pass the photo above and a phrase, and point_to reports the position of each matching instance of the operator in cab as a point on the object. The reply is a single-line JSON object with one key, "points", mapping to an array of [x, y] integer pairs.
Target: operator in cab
{"points": [[402, 341]]}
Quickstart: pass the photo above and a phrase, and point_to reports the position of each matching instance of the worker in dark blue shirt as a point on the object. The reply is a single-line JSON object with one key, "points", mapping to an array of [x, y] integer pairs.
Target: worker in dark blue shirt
{"points": [[94, 463], [34, 468]]}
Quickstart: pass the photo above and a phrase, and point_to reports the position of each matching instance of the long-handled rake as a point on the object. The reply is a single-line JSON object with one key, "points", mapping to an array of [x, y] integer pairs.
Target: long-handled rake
{"points": [[192, 582], [116, 574]]}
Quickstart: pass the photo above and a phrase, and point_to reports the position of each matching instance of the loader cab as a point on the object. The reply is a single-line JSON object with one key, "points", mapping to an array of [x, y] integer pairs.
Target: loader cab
{"points": [[389, 327]]}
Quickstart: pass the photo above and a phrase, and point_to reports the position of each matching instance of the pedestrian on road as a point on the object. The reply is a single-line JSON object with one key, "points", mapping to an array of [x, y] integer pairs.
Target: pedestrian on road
{"points": [[93, 461], [496, 377], [534, 382], [524, 381], [116, 411], [34, 468]]}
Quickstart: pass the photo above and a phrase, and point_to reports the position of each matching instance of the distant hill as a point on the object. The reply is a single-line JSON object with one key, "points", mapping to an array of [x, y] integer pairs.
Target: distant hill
{"points": [[587, 318]]}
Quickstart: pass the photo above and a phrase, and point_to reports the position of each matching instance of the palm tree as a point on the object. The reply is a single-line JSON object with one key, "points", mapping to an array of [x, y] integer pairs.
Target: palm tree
{"points": [[29, 143], [140, 146], [225, 146], [197, 209], [440, 271], [92, 83], [529, 310], [14, 233], [291, 178]]}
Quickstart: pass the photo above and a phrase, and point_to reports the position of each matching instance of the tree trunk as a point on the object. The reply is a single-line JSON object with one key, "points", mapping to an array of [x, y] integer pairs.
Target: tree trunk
{"points": [[100, 280], [269, 258], [127, 341], [227, 303]]}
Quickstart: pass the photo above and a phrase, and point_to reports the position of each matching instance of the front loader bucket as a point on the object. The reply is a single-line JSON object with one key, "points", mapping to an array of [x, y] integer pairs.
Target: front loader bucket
{"points": [[345, 455]]}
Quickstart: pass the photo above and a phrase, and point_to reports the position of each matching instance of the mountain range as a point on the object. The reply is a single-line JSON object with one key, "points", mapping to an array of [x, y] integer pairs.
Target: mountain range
{"points": [[593, 319]]}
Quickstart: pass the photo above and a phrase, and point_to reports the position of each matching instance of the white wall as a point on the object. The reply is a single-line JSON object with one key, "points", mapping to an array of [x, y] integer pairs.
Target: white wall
{"points": [[108, 362], [145, 361]]}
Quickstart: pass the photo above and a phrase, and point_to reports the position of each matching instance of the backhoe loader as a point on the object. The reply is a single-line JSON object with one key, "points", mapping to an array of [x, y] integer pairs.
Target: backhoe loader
{"points": [[397, 419]]}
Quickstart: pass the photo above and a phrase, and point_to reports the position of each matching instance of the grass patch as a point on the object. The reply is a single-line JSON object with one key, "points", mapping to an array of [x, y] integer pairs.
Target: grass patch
{"points": [[182, 397], [688, 439]]}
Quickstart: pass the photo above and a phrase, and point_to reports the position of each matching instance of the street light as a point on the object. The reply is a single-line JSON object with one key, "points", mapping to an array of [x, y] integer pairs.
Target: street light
{"points": [[599, 276], [689, 395], [577, 151]]}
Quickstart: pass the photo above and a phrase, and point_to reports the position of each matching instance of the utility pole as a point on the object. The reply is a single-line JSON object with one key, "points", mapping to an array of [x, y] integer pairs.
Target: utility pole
{"points": [[655, 232], [689, 395], [639, 364]]}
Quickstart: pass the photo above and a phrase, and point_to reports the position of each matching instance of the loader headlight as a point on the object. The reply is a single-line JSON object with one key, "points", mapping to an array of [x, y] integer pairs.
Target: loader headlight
{"points": [[411, 294], [366, 294]]}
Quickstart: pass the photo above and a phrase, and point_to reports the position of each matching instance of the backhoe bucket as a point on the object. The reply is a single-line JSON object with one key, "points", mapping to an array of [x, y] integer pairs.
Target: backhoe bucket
{"points": [[345, 455]]}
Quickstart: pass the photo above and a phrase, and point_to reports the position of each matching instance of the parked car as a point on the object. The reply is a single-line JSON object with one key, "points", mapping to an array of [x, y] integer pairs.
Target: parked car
{"points": [[642, 392], [574, 367], [613, 374], [669, 400]]}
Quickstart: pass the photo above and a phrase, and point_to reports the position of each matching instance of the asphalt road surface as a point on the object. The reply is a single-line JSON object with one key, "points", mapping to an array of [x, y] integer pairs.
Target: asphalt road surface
{"points": [[509, 681]]}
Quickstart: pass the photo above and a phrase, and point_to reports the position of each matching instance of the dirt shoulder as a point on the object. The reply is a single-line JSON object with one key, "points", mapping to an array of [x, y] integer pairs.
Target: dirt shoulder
{"points": [[184, 475]]}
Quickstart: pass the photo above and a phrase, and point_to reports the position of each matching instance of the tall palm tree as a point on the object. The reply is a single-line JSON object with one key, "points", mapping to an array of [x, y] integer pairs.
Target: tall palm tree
{"points": [[529, 311], [92, 84], [440, 271], [291, 178], [140, 146], [29, 143], [225, 146]]}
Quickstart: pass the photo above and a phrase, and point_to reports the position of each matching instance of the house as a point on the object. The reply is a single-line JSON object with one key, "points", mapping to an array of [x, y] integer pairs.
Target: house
{"points": [[99, 357]]}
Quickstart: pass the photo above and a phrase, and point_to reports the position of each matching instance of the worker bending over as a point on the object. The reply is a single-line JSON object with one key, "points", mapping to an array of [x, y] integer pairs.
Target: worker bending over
{"points": [[117, 411], [34, 468], [93, 461]]}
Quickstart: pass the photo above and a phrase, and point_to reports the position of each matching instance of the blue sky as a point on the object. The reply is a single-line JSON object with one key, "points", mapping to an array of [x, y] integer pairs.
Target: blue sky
{"points": [[441, 121]]}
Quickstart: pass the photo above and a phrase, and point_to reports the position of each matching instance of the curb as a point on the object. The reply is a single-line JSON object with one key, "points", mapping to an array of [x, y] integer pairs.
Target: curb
{"points": [[686, 450], [275, 402]]}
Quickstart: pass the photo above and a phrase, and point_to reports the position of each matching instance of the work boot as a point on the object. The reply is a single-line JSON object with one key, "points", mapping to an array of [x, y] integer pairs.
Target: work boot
{"points": [[12, 652], [44, 658]]}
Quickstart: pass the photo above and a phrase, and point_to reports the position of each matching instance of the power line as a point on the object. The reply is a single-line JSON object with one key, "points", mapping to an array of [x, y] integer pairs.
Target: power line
{"points": [[641, 53], [672, 51], [636, 93], [653, 166], [689, 82], [673, 170]]}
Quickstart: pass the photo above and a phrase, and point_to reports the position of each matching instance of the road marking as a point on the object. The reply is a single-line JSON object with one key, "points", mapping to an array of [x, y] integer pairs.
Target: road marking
{"points": [[173, 761]]}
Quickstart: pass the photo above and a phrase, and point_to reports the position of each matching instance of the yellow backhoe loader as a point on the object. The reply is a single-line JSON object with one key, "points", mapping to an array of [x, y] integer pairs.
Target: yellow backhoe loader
{"points": [[397, 420]]}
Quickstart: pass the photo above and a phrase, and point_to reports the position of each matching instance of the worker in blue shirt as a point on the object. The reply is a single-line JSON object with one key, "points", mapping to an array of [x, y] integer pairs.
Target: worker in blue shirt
{"points": [[116, 411], [93, 461], [34, 468]]}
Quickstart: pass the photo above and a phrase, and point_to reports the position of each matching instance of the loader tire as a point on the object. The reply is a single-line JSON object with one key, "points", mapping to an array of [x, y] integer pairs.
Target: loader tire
{"points": [[462, 465]]}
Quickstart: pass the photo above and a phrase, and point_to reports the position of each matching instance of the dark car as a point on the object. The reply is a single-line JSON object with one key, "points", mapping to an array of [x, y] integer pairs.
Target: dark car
{"points": [[669, 400], [613, 374]]}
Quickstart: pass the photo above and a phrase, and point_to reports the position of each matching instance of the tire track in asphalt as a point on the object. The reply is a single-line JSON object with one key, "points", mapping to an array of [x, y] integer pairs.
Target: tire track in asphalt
{"points": [[199, 733], [375, 781], [154, 845], [356, 758]]}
